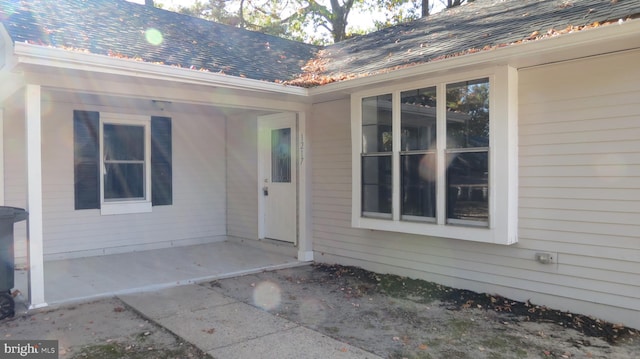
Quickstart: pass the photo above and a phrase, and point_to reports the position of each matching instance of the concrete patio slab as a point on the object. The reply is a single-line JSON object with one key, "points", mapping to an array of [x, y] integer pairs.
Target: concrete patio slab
{"points": [[87, 278]]}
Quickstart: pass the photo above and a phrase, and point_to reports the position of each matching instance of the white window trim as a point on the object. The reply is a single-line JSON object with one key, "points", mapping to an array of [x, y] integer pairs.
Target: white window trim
{"points": [[503, 161], [130, 205]]}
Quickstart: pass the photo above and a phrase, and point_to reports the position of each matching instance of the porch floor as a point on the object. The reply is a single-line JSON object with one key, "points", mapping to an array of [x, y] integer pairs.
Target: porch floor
{"points": [[79, 279]]}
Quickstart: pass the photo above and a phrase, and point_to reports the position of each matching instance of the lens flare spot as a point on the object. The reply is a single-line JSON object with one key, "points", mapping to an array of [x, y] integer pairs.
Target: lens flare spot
{"points": [[267, 295], [153, 36]]}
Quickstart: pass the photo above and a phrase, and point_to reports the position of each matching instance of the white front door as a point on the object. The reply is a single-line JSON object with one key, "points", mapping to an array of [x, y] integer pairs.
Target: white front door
{"points": [[277, 176]]}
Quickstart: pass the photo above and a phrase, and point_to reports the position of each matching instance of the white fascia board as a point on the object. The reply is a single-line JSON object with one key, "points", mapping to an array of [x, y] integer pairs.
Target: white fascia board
{"points": [[11, 82], [589, 42], [59, 58], [7, 61]]}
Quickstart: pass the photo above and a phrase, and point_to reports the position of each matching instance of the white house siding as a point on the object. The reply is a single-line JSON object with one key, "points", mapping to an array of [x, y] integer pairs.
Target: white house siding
{"points": [[579, 193], [580, 176], [15, 191], [242, 176], [198, 213]]}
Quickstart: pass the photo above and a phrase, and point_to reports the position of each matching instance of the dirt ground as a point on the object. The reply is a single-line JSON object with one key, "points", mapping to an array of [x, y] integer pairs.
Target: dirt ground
{"points": [[102, 329], [396, 317], [390, 316]]}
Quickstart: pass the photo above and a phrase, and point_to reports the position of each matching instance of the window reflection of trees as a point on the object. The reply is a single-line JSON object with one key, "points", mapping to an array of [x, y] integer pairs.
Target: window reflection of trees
{"points": [[468, 151], [377, 147], [418, 171]]}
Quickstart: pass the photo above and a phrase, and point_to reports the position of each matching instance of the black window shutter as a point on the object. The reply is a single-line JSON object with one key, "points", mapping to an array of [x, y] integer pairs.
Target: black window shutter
{"points": [[161, 174], [86, 156]]}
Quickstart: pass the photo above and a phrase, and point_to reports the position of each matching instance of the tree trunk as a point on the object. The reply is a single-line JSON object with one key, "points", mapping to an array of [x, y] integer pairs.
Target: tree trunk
{"points": [[339, 19], [425, 8], [241, 15], [149, 3]]}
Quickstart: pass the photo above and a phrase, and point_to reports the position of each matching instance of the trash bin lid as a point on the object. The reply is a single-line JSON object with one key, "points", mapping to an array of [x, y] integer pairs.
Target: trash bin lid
{"points": [[18, 214]]}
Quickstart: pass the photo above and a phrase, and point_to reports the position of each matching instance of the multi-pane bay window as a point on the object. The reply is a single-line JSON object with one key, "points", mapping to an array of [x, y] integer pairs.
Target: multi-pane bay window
{"points": [[438, 157]]}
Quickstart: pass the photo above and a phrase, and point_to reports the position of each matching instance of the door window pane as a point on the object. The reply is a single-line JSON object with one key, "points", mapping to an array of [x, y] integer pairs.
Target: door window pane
{"points": [[419, 185], [376, 124], [281, 155], [418, 118], [468, 114], [468, 186], [376, 184]]}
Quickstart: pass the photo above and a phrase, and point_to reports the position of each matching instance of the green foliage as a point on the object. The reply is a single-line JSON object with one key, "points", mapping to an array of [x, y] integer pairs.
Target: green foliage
{"points": [[397, 11], [214, 10], [312, 21]]}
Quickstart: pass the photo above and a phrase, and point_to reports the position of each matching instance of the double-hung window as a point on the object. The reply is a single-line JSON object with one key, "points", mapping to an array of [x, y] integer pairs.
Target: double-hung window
{"points": [[126, 163], [122, 162], [438, 157]]}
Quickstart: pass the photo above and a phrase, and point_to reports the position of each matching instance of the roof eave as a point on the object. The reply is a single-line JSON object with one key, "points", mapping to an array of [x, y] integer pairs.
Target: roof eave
{"points": [[36, 55], [585, 43]]}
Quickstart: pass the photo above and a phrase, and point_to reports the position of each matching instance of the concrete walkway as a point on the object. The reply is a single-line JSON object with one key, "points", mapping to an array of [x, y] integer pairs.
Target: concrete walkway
{"points": [[226, 328]]}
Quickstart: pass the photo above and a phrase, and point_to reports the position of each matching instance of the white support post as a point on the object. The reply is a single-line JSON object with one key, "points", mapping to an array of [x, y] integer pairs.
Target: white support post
{"points": [[34, 196], [1, 156], [305, 241]]}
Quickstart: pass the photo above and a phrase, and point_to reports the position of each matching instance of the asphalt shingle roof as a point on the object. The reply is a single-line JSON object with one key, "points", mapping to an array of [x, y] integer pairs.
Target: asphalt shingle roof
{"points": [[120, 28], [476, 25]]}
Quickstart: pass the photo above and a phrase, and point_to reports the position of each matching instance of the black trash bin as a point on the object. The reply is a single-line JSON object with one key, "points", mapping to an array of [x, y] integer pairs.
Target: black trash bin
{"points": [[8, 216]]}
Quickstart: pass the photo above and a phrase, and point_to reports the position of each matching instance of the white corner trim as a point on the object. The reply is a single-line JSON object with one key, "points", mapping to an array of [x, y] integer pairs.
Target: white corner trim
{"points": [[38, 305], [305, 256], [305, 217]]}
